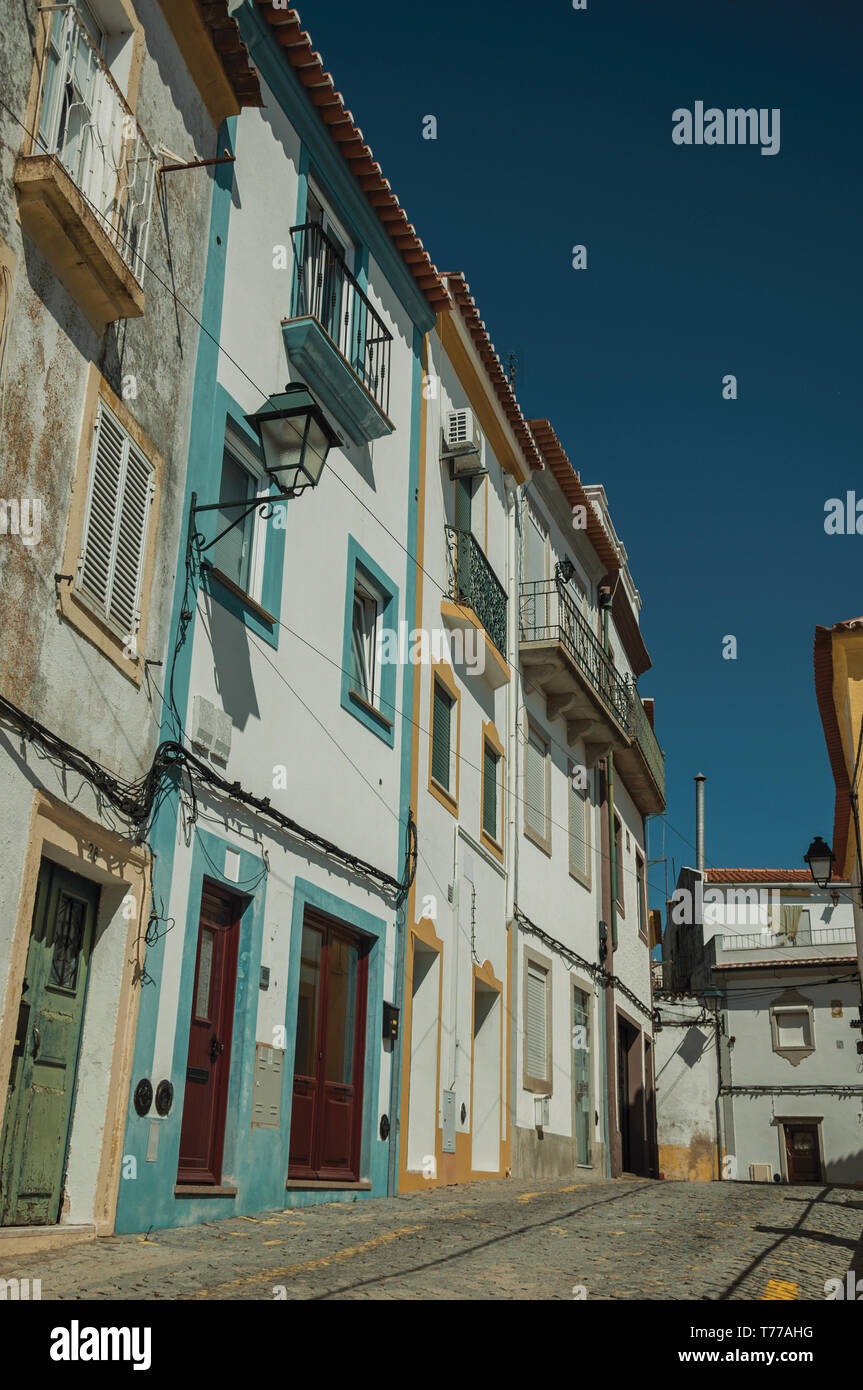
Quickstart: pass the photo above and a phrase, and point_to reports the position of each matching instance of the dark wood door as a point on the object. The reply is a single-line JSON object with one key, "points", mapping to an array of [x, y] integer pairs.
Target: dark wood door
{"points": [[801, 1152], [209, 1060], [326, 1118], [623, 1096], [47, 1043]]}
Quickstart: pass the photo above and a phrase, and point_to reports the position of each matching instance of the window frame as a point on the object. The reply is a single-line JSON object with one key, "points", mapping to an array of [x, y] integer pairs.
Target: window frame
{"points": [[538, 1085], [245, 459], [491, 741], [581, 987], [792, 1002], [443, 675], [378, 718], [641, 893], [534, 732], [585, 878], [72, 605], [620, 899]]}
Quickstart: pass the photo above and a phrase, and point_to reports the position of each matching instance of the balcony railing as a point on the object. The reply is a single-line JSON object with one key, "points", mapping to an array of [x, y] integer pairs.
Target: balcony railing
{"points": [[472, 581], [641, 729], [549, 613], [325, 289], [87, 124], [768, 940]]}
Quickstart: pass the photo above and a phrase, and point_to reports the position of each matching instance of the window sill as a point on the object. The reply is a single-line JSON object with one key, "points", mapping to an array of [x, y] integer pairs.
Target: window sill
{"points": [[77, 612], [493, 846], [199, 1189], [370, 708], [245, 598], [446, 798], [580, 878], [542, 1088], [544, 845]]}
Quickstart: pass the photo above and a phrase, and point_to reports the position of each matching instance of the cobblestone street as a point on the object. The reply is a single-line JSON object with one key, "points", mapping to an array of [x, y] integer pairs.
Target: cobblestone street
{"points": [[496, 1240]]}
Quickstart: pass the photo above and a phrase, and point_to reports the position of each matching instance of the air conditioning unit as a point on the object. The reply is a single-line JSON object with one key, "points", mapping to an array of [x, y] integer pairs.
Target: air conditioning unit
{"points": [[760, 1172], [462, 443]]}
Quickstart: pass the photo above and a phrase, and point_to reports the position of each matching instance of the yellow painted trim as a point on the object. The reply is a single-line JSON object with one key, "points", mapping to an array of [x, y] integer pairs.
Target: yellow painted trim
{"points": [[205, 68], [450, 609], [74, 610], [491, 737], [54, 823], [443, 672], [478, 395], [423, 930]]}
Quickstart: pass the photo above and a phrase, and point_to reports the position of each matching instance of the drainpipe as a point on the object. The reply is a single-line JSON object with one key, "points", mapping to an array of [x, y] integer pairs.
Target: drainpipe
{"points": [[513, 696], [609, 1032], [700, 779]]}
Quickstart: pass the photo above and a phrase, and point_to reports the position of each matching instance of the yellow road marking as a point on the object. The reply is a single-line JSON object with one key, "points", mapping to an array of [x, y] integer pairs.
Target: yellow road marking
{"points": [[288, 1271], [780, 1288]]}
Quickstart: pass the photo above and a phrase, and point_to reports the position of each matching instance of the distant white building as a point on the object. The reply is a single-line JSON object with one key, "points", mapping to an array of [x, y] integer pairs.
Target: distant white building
{"points": [[782, 952]]}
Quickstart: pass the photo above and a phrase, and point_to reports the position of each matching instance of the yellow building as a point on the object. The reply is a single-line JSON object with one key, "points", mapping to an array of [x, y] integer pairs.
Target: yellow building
{"points": [[839, 690]]}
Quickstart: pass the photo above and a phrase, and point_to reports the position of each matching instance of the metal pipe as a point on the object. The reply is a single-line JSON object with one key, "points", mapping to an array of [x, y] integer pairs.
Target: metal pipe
{"points": [[700, 779]]}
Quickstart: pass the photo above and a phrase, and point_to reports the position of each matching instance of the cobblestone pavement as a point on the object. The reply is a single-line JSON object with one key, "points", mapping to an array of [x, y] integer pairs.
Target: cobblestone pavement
{"points": [[629, 1239]]}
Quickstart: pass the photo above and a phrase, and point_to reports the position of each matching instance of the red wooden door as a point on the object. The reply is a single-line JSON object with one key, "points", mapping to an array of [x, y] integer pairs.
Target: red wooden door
{"points": [[801, 1152], [326, 1118], [208, 1067]]}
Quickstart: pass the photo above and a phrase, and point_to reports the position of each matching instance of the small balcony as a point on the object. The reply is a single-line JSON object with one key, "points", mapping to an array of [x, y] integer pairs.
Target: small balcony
{"points": [[475, 598], [642, 764], [805, 943], [335, 338], [561, 657], [85, 189]]}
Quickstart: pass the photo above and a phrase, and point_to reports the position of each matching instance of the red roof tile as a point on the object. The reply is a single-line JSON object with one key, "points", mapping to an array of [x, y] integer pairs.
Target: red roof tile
{"points": [[348, 139], [758, 876]]}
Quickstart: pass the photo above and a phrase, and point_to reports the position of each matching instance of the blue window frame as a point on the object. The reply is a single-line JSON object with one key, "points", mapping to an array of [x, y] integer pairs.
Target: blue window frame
{"points": [[368, 668]]}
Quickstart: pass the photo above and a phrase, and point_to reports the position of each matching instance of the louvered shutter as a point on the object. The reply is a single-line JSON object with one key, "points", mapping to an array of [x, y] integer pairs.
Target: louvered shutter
{"points": [[489, 792], [534, 809], [115, 527], [441, 721], [535, 1023], [577, 830]]}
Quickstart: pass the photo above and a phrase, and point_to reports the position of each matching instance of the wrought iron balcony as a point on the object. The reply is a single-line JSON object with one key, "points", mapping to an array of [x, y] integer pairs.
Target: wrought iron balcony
{"points": [[472, 581], [642, 731], [86, 123], [549, 614], [325, 291]]}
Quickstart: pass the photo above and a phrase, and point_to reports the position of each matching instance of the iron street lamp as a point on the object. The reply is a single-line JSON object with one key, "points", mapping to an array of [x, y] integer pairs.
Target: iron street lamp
{"points": [[295, 438], [820, 859], [711, 998]]}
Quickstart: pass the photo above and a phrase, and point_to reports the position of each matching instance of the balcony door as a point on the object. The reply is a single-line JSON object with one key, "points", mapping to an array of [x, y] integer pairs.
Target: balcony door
{"points": [[536, 603], [326, 1118]]}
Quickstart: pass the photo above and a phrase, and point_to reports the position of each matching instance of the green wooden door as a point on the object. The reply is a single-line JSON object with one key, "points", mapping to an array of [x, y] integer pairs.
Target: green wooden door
{"points": [[47, 1041]]}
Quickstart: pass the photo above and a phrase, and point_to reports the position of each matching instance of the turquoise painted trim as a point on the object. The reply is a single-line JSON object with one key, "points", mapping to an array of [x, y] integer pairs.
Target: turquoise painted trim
{"points": [[373, 1153], [271, 61], [163, 831], [255, 1165], [411, 569], [361, 563], [225, 409]]}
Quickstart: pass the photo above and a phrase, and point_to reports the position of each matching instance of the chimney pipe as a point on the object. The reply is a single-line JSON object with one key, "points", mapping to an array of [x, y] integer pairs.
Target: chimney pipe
{"points": [[700, 779]]}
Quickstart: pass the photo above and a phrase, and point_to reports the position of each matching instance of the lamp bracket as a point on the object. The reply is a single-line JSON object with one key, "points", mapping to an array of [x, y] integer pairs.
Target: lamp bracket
{"points": [[266, 509]]}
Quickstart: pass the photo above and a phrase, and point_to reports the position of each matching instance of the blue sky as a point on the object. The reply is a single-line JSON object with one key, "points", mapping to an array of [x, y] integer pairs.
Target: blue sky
{"points": [[554, 129]]}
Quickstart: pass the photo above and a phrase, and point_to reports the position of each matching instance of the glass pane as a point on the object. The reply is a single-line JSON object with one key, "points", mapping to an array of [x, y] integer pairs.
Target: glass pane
{"points": [[308, 1003], [68, 935], [233, 553], [205, 973], [341, 1011], [362, 646], [581, 1075]]}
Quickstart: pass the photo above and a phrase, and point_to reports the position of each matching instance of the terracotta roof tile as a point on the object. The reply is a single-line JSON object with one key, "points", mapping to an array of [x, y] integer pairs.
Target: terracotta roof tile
{"points": [[806, 961], [233, 54], [760, 876], [563, 470], [349, 140]]}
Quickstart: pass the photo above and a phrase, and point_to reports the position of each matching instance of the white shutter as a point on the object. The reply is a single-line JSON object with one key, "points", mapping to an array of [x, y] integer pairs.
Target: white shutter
{"points": [[535, 792], [535, 1023], [115, 527], [578, 824]]}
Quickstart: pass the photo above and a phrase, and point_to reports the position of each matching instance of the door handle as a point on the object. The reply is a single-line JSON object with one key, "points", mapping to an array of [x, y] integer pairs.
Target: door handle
{"points": [[215, 1047], [37, 1040]]}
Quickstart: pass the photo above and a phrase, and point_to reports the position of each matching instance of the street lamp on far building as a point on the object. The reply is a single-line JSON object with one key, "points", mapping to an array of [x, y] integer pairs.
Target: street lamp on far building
{"points": [[711, 998], [820, 859]]}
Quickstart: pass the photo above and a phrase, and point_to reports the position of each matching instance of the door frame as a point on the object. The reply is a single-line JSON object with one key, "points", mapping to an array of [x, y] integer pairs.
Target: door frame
{"points": [[373, 1155], [793, 1120], [240, 903], [58, 832]]}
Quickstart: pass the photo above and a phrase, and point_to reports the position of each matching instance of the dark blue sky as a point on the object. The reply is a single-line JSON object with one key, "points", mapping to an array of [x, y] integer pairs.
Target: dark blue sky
{"points": [[554, 128]]}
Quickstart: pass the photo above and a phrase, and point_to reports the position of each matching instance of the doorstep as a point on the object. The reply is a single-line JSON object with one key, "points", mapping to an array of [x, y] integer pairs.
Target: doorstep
{"points": [[202, 1189], [33, 1240], [309, 1185]]}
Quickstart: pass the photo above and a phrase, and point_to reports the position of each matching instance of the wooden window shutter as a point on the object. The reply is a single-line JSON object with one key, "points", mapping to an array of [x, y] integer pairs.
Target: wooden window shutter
{"points": [[115, 528], [535, 1023], [489, 791], [441, 736], [578, 862], [535, 805]]}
